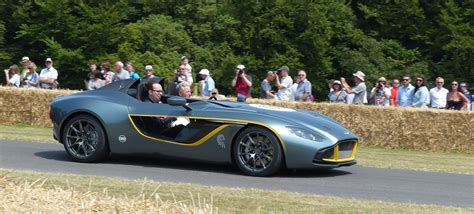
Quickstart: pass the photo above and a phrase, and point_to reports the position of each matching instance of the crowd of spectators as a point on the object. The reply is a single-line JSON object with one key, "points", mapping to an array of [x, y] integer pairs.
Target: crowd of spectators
{"points": [[277, 85]]}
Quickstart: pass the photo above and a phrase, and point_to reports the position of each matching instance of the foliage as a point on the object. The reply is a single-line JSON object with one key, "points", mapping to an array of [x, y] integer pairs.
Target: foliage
{"points": [[328, 39]]}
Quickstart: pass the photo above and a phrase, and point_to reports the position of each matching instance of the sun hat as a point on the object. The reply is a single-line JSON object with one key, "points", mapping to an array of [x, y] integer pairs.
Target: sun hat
{"points": [[359, 74], [49, 60], [284, 68], [382, 79], [241, 67], [204, 72], [25, 59], [337, 82]]}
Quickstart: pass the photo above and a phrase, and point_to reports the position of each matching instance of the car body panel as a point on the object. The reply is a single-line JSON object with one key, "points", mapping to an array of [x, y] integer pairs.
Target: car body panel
{"points": [[213, 127]]}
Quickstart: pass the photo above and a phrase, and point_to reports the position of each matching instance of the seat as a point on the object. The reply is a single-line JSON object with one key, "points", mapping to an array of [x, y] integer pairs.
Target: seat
{"points": [[142, 93]]}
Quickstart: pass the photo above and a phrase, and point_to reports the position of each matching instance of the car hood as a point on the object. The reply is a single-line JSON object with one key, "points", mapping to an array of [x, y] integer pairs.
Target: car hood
{"points": [[315, 121]]}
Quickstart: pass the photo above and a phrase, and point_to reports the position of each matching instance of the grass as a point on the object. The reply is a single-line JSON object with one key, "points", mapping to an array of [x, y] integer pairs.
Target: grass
{"points": [[451, 162], [189, 195]]}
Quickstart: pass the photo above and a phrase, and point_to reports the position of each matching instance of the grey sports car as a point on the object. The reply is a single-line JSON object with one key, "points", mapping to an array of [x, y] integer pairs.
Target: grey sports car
{"points": [[258, 139]]}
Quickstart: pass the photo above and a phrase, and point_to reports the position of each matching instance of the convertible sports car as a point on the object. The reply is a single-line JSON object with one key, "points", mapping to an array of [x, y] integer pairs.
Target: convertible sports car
{"points": [[258, 139]]}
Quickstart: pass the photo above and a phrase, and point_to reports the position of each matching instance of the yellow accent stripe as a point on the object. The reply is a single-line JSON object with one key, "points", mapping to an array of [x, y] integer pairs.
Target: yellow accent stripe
{"points": [[197, 143], [213, 132], [335, 157]]}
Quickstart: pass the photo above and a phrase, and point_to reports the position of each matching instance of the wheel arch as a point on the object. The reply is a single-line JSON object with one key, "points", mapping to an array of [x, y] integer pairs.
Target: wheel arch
{"points": [[83, 112]]}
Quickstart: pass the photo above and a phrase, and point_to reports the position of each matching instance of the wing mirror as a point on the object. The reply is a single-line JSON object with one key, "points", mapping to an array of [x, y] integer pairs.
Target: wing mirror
{"points": [[178, 101]]}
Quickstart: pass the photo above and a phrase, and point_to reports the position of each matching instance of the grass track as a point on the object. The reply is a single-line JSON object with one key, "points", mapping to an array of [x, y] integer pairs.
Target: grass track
{"points": [[225, 199], [461, 163]]}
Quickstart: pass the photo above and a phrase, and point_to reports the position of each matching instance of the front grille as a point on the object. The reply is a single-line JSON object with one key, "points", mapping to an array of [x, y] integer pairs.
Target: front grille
{"points": [[343, 151]]}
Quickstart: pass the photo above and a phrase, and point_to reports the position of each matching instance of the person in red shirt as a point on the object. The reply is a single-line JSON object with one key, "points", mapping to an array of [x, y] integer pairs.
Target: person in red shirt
{"points": [[242, 82], [394, 91]]}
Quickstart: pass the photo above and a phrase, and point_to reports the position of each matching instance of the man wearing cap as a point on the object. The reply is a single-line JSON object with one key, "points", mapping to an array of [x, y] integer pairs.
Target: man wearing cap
{"points": [[406, 92], [283, 85], [468, 95], [438, 94], [120, 73], [48, 76], [359, 90], [266, 88], [242, 83], [380, 93], [25, 61], [148, 73], [208, 83]]}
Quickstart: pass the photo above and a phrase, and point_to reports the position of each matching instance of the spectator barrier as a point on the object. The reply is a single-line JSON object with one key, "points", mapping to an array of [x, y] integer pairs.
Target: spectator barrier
{"points": [[406, 128]]}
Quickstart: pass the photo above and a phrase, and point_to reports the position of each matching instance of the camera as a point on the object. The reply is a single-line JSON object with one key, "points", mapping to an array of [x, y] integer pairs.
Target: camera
{"points": [[240, 71]]}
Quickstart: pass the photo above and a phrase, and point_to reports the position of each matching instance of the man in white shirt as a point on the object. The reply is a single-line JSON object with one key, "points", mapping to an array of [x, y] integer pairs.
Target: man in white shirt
{"points": [[120, 73], [48, 76], [284, 92], [438, 94]]}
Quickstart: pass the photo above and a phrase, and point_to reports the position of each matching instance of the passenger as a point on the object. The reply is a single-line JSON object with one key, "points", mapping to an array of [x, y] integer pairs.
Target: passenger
{"points": [[184, 90]]}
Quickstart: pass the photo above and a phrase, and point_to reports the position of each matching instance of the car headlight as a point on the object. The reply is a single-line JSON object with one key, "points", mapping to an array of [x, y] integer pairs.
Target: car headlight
{"points": [[306, 134]]}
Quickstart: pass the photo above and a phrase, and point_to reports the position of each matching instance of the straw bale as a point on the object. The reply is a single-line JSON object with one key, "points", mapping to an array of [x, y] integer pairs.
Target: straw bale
{"points": [[405, 128], [27, 197]]}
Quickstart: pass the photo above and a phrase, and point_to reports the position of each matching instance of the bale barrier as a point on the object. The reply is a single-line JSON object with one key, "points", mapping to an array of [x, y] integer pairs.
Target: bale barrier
{"points": [[401, 128]]}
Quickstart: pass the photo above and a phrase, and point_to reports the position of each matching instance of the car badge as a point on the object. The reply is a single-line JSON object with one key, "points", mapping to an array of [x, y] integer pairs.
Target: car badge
{"points": [[221, 141], [122, 139]]}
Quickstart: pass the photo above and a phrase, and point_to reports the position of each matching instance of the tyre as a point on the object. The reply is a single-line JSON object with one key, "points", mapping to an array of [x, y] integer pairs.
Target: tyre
{"points": [[84, 139], [257, 152]]}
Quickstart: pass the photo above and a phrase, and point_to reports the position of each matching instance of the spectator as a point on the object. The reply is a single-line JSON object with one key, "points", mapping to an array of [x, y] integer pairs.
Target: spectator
{"points": [[438, 94], [181, 75], [155, 90], [184, 90], [284, 92], [92, 69], [48, 76], [467, 94], [266, 87], [31, 79], [380, 93], [215, 95], [337, 95], [108, 74], [421, 97], [456, 98], [242, 83], [120, 73], [359, 90], [12, 76], [148, 73], [394, 92], [208, 84], [94, 81], [296, 82], [131, 70], [303, 91], [185, 62], [405, 92], [25, 61]]}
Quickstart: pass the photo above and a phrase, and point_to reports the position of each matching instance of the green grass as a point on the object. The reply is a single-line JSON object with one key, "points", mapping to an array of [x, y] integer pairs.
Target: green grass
{"points": [[372, 157], [226, 199]]}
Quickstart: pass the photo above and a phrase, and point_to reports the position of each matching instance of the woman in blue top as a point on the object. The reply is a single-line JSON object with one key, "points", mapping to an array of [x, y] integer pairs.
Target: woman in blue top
{"points": [[337, 95], [421, 98]]}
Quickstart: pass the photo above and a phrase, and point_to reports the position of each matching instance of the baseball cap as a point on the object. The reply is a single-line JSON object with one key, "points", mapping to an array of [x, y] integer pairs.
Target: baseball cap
{"points": [[284, 68], [241, 67], [382, 79], [148, 67], [184, 57], [25, 59], [204, 72], [463, 84], [49, 60]]}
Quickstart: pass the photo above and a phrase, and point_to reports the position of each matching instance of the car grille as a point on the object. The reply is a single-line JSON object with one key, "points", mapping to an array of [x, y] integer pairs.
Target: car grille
{"points": [[343, 151]]}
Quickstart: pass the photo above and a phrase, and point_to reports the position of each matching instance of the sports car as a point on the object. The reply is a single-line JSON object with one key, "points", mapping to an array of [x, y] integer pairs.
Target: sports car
{"points": [[259, 139]]}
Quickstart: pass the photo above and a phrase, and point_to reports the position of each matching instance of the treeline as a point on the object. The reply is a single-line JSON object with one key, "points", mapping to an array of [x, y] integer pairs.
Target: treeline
{"points": [[327, 38]]}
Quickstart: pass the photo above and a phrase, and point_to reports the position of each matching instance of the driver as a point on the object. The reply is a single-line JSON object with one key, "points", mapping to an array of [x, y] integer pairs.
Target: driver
{"points": [[155, 90]]}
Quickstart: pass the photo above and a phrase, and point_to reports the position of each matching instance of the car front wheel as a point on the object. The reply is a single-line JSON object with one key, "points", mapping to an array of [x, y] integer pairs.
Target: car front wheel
{"points": [[257, 152]]}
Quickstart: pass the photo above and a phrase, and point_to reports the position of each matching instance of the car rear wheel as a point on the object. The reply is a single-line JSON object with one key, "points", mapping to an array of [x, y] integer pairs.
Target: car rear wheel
{"points": [[257, 152], [84, 139]]}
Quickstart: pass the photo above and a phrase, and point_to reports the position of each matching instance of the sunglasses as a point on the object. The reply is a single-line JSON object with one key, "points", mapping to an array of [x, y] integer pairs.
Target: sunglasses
{"points": [[439, 82], [406, 79], [419, 80], [454, 84], [158, 91]]}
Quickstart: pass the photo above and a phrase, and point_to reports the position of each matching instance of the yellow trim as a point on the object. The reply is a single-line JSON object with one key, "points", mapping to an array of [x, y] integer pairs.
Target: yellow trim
{"points": [[335, 157], [208, 135]]}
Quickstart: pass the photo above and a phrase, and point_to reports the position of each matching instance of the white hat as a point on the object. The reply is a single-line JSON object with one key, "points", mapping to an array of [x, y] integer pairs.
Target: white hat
{"points": [[359, 74], [204, 72], [148, 67], [241, 67], [337, 82], [25, 59], [49, 60]]}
